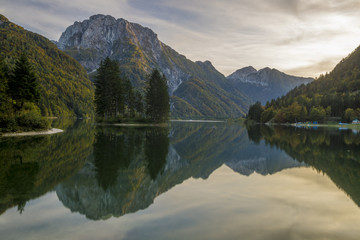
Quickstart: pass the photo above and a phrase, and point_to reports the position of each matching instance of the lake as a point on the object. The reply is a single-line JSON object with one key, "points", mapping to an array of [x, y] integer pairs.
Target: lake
{"points": [[190, 180]]}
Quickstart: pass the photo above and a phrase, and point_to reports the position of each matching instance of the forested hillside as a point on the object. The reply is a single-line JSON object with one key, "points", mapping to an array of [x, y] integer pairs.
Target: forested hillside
{"points": [[335, 95], [63, 83]]}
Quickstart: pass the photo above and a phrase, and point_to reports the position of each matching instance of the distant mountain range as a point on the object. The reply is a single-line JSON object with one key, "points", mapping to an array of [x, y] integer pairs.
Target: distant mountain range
{"points": [[265, 84], [197, 89]]}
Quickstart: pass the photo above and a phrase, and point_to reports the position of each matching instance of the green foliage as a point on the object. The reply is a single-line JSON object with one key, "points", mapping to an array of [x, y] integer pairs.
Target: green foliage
{"points": [[63, 83], [115, 98], [267, 115], [255, 112], [109, 96], [181, 108], [4, 98], [328, 96], [206, 99], [22, 84], [317, 114], [157, 98], [23, 121], [18, 92]]}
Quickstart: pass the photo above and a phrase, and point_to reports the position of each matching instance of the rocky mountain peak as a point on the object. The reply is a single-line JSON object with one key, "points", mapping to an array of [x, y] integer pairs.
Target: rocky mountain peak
{"points": [[101, 36], [206, 64], [241, 73], [138, 50]]}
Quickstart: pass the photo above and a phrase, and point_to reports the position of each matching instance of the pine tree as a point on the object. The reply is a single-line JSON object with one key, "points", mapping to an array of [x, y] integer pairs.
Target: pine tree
{"points": [[157, 98], [255, 112], [22, 84], [109, 97]]}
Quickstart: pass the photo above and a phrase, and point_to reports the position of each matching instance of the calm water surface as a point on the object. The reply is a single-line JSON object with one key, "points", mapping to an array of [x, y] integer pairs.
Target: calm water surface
{"points": [[187, 181]]}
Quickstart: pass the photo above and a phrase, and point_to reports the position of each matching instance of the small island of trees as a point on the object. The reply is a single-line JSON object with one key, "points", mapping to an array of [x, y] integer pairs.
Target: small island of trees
{"points": [[116, 100]]}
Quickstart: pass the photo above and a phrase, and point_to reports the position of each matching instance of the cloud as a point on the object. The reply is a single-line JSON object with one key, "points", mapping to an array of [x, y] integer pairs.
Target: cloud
{"points": [[319, 67], [283, 34]]}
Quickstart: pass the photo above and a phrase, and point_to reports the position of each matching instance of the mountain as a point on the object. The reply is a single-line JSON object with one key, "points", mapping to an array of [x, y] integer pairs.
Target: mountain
{"points": [[64, 85], [334, 96], [197, 89], [265, 84]]}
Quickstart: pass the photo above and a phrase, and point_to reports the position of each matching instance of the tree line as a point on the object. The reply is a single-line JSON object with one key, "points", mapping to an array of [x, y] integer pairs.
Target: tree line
{"points": [[320, 108], [117, 101], [333, 96]]}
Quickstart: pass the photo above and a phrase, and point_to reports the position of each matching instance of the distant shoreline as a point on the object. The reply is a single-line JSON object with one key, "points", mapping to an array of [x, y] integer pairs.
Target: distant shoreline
{"points": [[156, 124], [342, 126], [206, 121], [33, 133]]}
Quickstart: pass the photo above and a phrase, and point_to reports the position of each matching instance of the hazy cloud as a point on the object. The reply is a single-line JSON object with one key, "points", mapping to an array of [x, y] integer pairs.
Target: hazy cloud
{"points": [[302, 37]]}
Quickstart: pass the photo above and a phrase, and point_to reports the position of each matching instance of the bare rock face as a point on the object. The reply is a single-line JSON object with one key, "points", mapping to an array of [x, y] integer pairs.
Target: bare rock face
{"points": [[133, 45]]}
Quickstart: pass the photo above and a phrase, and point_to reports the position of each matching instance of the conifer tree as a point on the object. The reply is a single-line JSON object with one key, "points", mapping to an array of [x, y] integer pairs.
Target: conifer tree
{"points": [[109, 97], [157, 98], [255, 112], [22, 84]]}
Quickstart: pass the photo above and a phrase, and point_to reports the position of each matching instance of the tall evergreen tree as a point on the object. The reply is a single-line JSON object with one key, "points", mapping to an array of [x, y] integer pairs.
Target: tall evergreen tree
{"points": [[109, 97], [157, 98], [22, 84], [255, 112]]}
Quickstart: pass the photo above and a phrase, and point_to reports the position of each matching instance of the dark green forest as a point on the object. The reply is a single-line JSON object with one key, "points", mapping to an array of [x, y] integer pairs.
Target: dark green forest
{"points": [[116, 100], [333, 96]]}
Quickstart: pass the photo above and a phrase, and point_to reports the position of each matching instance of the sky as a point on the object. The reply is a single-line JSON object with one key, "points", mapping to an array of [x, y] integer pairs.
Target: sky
{"points": [[299, 37]]}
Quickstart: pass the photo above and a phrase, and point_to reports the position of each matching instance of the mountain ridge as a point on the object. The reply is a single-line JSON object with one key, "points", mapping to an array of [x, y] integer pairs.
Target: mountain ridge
{"points": [[265, 84], [138, 51], [335, 95]]}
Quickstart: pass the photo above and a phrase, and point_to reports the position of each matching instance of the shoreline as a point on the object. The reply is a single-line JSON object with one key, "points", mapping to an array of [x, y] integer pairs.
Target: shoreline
{"points": [[340, 126], [33, 133]]}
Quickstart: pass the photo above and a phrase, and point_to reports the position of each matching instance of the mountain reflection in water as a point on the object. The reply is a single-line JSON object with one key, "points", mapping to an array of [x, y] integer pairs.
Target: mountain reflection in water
{"points": [[101, 172], [132, 166]]}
